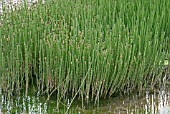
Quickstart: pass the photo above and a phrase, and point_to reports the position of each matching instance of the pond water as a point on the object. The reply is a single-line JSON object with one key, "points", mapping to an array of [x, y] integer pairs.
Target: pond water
{"points": [[147, 102]]}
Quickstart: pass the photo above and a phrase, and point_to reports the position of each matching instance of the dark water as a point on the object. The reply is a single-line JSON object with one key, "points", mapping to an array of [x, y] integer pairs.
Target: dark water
{"points": [[147, 102]]}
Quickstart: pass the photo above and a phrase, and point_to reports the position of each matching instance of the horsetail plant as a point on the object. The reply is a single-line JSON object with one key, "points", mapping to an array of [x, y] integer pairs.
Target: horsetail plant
{"points": [[87, 49]]}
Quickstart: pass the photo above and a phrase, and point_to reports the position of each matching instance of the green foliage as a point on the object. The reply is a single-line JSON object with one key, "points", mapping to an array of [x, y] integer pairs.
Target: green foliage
{"points": [[86, 48]]}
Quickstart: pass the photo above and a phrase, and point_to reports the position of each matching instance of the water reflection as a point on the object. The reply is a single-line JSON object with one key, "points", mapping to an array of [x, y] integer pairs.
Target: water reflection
{"points": [[147, 102], [28, 105]]}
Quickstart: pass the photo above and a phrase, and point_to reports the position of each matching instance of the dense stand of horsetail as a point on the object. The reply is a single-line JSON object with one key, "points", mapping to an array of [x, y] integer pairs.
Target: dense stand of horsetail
{"points": [[84, 49]]}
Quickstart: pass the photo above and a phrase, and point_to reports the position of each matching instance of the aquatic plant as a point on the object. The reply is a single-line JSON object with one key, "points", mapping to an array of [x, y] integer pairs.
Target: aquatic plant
{"points": [[86, 48]]}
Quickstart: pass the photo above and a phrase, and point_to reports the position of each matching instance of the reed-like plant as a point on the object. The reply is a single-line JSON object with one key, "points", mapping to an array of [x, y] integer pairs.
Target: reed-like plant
{"points": [[85, 48]]}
